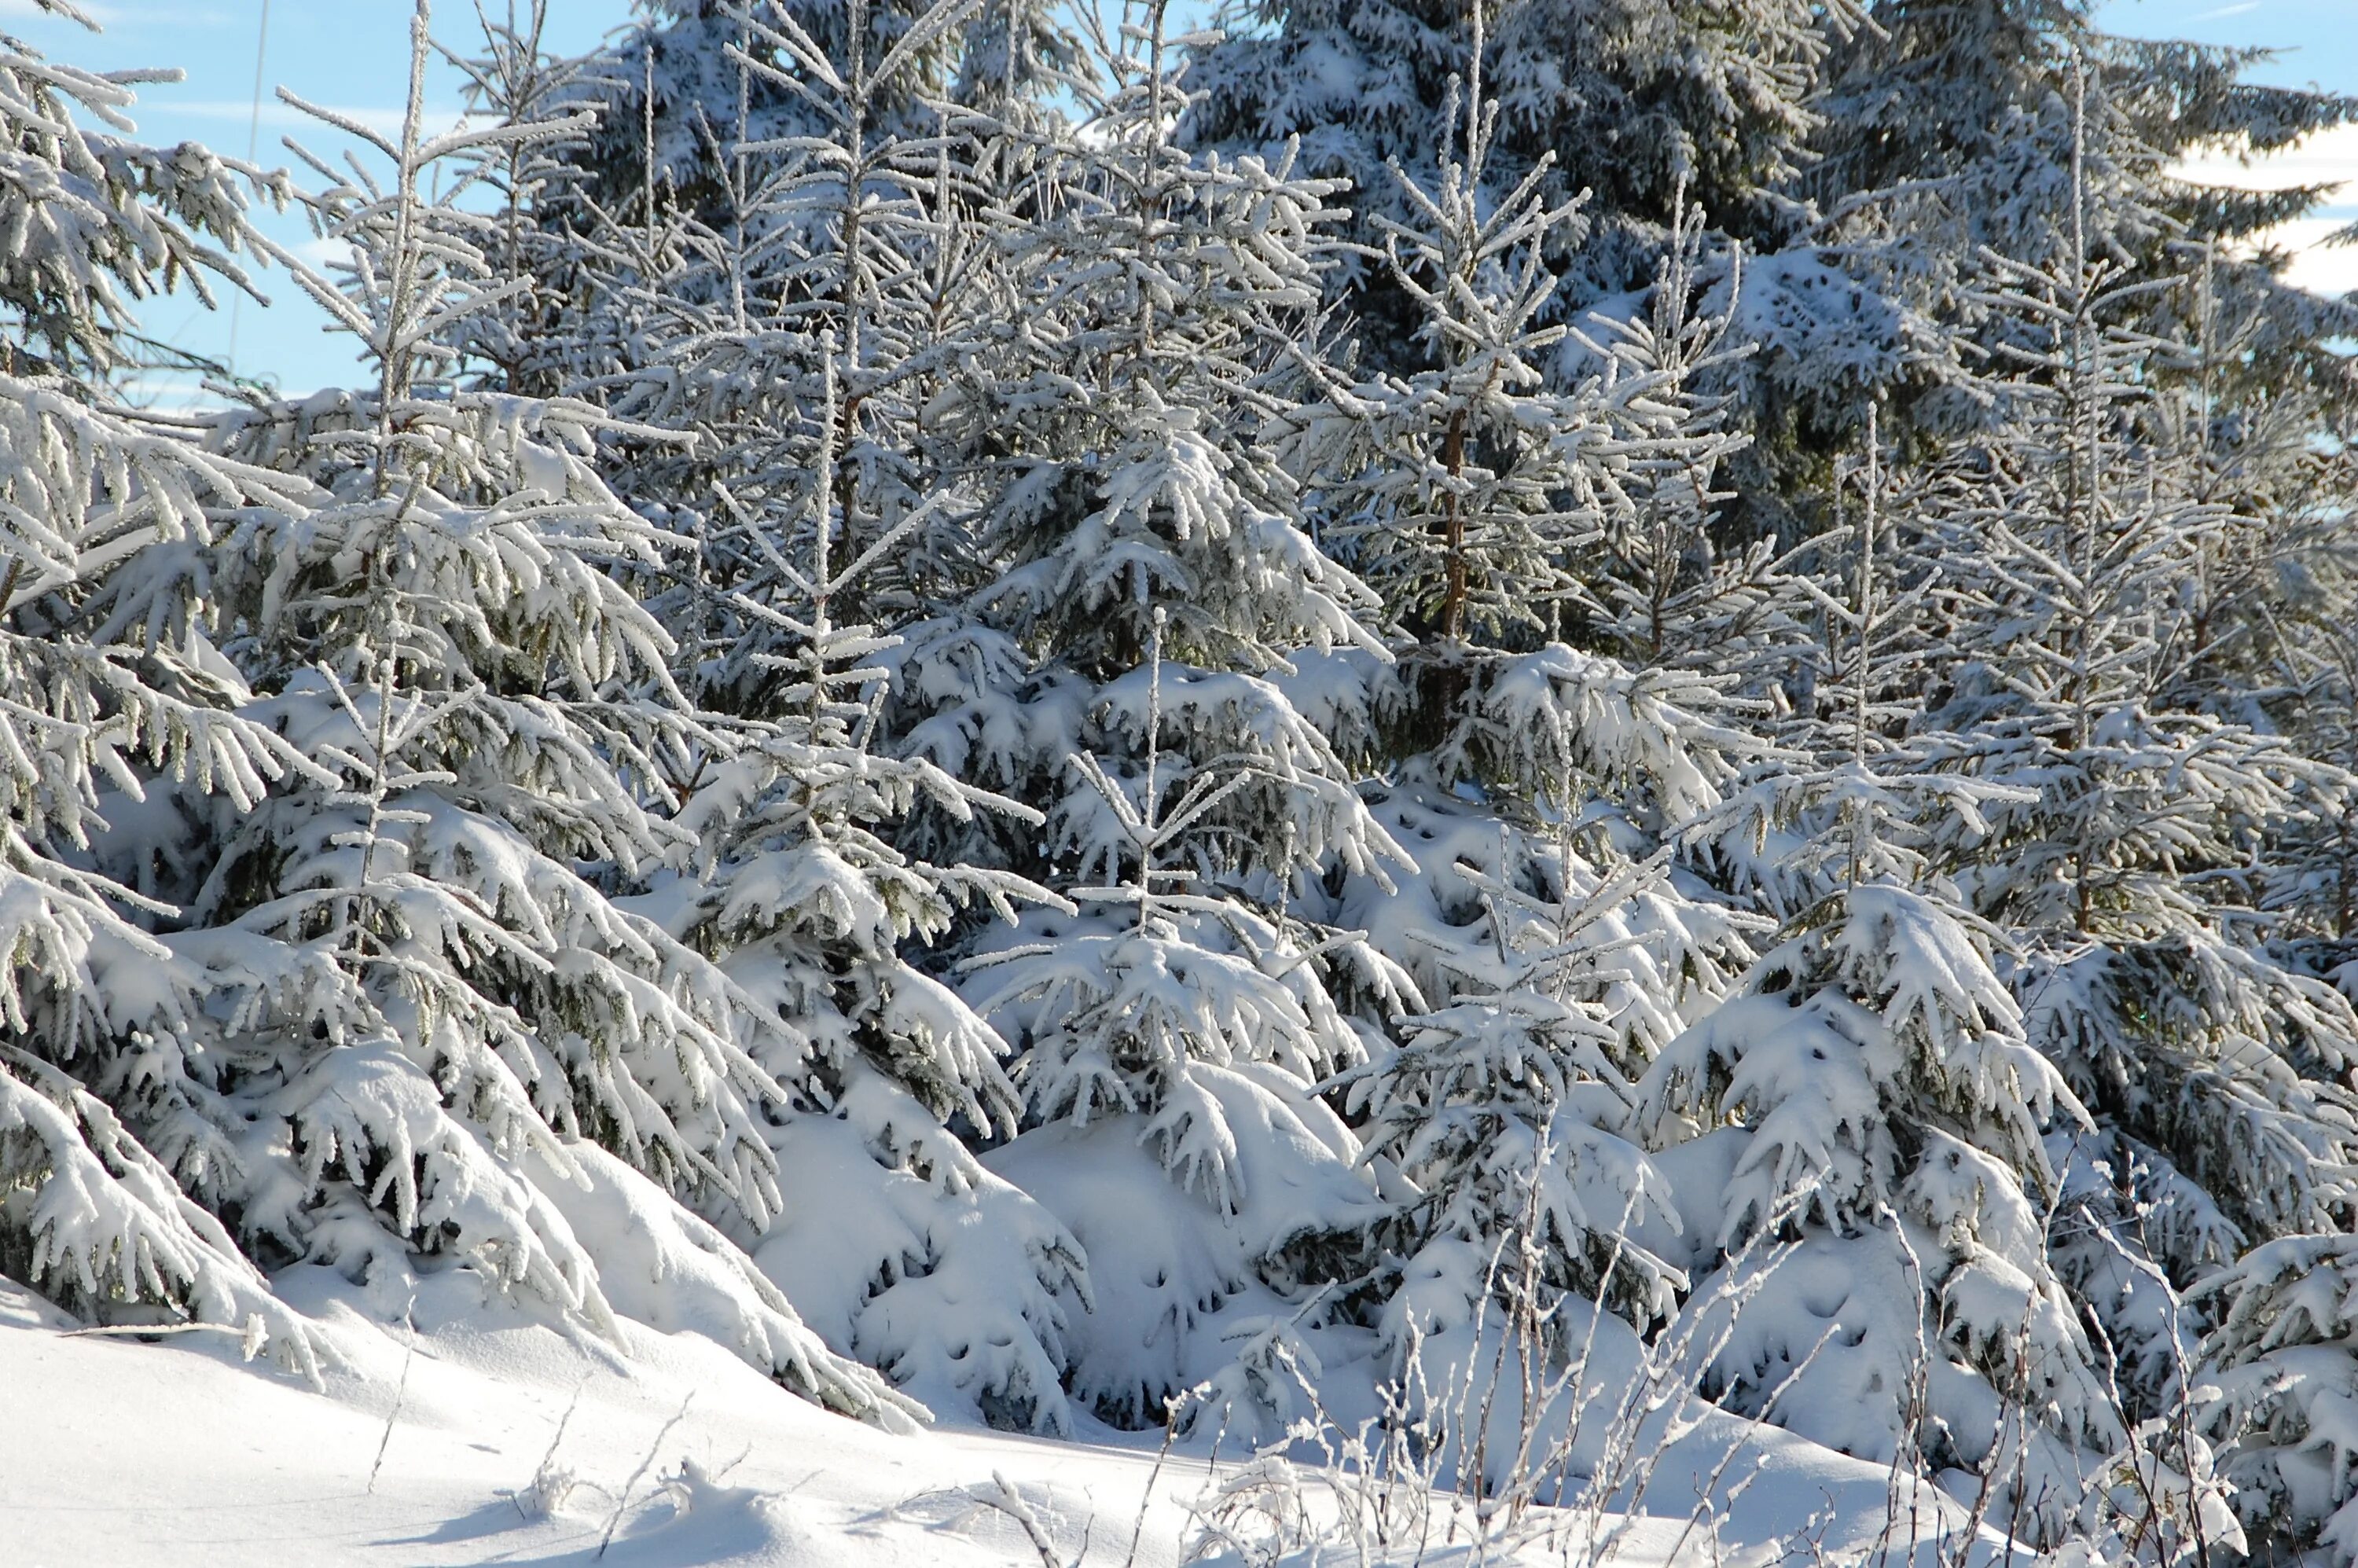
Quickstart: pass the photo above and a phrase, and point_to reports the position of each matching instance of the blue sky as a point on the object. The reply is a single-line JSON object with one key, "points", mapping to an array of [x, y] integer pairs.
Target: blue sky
{"points": [[2319, 40], [353, 55]]}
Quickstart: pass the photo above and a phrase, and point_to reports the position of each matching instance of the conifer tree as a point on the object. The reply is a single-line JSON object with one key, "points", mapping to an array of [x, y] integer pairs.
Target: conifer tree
{"points": [[2285, 1366], [101, 222], [676, 109], [1658, 112], [2124, 872], [1886, 1112], [2075, 543], [1636, 103], [444, 1015], [1951, 126], [1525, 778], [1139, 583], [107, 1200], [806, 388]]}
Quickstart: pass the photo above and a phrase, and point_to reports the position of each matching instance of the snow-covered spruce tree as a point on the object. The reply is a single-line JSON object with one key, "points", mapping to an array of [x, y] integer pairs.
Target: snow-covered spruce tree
{"points": [[928, 1266], [839, 275], [2125, 871], [437, 1028], [698, 292], [1505, 522], [100, 1207], [1635, 103], [2267, 609], [803, 379], [1872, 1099], [2314, 881], [670, 212], [1486, 504], [1480, 504], [99, 220], [676, 109], [1946, 127], [1659, 109], [1139, 581], [555, 330], [1464, 493], [2284, 1360], [2270, 608]]}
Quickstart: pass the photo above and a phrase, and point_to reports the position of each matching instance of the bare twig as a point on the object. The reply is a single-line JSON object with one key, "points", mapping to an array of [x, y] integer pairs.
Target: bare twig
{"points": [[401, 1390], [622, 1501], [1004, 1498], [545, 1475]]}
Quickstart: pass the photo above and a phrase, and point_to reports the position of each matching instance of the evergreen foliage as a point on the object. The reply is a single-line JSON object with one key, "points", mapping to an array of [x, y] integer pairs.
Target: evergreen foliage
{"points": [[1054, 720]]}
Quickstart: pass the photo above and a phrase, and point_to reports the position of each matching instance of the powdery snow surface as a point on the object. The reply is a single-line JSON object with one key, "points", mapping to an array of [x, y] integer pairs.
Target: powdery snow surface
{"points": [[512, 1442]]}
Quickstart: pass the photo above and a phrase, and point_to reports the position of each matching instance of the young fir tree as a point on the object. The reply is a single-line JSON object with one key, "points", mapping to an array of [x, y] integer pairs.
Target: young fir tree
{"points": [[107, 1204], [1636, 103], [555, 330], [1139, 581], [100, 222], [2266, 609], [444, 1018], [2128, 866], [677, 109], [2073, 541], [2283, 1363], [1947, 127], [2269, 608], [804, 383], [1657, 110], [801, 334], [659, 224], [1879, 1107], [1480, 503], [709, 308]]}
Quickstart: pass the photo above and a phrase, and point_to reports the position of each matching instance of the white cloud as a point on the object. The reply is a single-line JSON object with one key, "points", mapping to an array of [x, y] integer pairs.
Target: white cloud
{"points": [[282, 116], [2327, 158], [321, 253], [2320, 268], [2330, 157]]}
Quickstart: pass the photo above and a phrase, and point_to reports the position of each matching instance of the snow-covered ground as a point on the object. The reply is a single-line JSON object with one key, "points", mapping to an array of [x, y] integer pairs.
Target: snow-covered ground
{"points": [[485, 1437]]}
